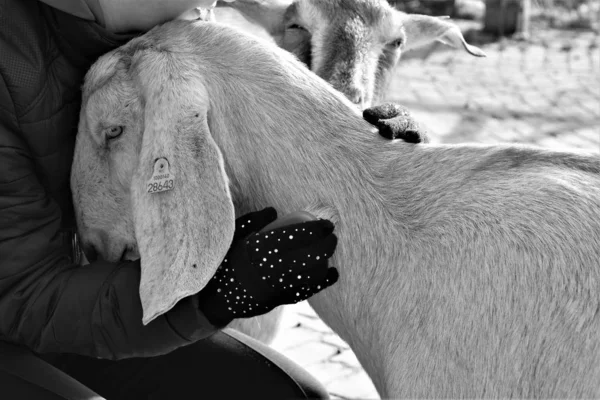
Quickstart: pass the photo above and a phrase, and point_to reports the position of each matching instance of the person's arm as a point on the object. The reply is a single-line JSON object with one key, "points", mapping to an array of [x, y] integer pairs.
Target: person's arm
{"points": [[51, 305]]}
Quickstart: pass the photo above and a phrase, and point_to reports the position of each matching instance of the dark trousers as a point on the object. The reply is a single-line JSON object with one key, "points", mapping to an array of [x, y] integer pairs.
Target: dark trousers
{"points": [[228, 365]]}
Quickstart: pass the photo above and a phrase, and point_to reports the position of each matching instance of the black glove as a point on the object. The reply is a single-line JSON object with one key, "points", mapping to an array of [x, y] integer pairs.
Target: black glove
{"points": [[264, 270], [394, 122]]}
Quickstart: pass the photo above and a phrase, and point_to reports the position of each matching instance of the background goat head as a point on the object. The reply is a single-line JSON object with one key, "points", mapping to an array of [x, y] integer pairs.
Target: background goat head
{"points": [[352, 44]]}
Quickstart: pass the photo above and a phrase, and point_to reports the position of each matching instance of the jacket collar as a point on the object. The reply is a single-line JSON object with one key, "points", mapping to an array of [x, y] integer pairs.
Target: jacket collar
{"points": [[82, 41], [78, 8]]}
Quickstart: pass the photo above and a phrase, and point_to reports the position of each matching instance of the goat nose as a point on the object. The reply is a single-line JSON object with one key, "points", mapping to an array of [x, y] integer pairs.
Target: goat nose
{"points": [[355, 95], [91, 254]]}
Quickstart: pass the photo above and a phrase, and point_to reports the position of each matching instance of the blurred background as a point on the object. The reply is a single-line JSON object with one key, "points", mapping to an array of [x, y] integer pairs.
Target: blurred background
{"points": [[507, 17], [540, 85]]}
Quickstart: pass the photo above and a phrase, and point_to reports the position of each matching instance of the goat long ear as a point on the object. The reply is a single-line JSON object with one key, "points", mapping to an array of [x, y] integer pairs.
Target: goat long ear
{"points": [[182, 207], [423, 29]]}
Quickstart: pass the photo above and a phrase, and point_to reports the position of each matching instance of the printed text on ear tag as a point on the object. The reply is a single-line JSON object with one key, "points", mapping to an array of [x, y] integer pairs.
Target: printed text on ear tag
{"points": [[162, 179]]}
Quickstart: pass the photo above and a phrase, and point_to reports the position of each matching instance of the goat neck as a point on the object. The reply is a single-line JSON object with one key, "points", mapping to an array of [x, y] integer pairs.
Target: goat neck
{"points": [[323, 163]]}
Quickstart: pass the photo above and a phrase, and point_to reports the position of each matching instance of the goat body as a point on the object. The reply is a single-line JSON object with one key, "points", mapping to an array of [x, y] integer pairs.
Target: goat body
{"points": [[465, 270], [354, 45], [473, 273]]}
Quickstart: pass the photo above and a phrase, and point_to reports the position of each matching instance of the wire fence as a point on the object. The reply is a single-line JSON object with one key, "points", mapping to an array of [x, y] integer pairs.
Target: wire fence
{"points": [[561, 14]]}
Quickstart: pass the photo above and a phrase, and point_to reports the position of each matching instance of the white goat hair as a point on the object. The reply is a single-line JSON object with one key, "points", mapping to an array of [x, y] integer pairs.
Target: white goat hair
{"points": [[465, 270], [355, 45]]}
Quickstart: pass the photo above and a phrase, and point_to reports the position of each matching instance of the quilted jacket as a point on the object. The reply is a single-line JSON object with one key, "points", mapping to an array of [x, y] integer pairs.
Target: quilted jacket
{"points": [[48, 302]]}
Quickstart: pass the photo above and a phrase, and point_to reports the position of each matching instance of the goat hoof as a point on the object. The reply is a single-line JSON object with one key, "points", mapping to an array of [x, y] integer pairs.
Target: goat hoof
{"points": [[384, 111], [403, 128], [409, 136]]}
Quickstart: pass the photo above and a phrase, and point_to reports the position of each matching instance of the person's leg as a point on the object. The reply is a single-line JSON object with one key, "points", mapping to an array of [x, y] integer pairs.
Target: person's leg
{"points": [[228, 365], [24, 376]]}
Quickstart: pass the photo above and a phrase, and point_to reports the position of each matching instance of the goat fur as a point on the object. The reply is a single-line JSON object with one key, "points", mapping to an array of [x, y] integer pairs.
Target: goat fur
{"points": [[465, 270]]}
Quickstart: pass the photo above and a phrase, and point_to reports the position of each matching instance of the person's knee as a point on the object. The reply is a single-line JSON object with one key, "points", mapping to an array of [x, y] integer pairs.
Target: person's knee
{"points": [[227, 365], [280, 369]]}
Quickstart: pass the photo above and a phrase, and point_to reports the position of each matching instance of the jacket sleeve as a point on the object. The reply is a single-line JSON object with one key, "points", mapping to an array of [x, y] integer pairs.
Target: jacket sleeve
{"points": [[51, 305]]}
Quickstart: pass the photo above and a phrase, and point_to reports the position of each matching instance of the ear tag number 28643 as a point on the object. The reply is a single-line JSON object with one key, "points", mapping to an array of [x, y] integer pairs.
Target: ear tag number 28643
{"points": [[162, 179]]}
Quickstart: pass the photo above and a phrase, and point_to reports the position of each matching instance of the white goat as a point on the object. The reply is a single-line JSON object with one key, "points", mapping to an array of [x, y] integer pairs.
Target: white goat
{"points": [[354, 45], [465, 270]]}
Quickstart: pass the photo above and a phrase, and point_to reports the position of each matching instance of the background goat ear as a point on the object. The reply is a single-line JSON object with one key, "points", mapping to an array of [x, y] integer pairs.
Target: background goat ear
{"points": [[183, 233], [423, 29]]}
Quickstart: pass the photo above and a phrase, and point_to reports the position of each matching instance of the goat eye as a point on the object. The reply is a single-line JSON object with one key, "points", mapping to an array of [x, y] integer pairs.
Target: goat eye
{"points": [[113, 132], [396, 43], [296, 26]]}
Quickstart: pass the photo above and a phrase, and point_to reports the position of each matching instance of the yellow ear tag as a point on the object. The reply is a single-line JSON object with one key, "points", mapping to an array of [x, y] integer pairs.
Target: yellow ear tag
{"points": [[162, 179]]}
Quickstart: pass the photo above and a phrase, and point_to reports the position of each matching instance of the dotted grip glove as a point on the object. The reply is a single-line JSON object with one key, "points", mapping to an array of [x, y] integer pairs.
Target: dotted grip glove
{"points": [[264, 270]]}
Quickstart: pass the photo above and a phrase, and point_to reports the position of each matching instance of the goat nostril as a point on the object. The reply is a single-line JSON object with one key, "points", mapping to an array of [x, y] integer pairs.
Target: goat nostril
{"points": [[354, 95], [358, 99], [90, 252]]}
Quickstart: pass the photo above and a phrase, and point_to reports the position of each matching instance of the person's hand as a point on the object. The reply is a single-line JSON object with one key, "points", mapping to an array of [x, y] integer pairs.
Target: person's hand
{"points": [[266, 269], [395, 122]]}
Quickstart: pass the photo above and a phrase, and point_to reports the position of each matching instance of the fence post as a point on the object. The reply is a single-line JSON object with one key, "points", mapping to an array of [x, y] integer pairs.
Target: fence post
{"points": [[507, 17]]}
